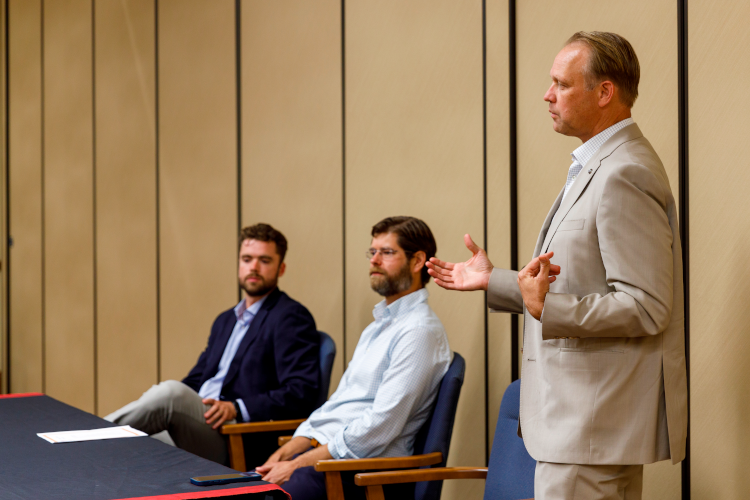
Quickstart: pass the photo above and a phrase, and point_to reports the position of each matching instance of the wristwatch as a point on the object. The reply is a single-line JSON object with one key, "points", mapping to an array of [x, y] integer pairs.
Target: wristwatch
{"points": [[238, 417]]}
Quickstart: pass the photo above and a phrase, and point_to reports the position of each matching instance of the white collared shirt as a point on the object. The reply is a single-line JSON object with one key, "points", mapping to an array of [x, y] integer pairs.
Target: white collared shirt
{"points": [[387, 391]]}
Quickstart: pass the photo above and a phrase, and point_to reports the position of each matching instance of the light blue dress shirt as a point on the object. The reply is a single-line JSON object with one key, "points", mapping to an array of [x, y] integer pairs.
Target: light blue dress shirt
{"points": [[211, 388], [387, 392]]}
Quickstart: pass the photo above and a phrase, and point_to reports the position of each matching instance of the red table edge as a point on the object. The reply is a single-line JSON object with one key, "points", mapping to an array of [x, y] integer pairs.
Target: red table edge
{"points": [[21, 395], [214, 493]]}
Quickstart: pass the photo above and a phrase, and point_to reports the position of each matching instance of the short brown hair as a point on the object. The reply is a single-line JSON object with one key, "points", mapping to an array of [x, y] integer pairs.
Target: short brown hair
{"points": [[265, 232], [413, 235], [611, 57]]}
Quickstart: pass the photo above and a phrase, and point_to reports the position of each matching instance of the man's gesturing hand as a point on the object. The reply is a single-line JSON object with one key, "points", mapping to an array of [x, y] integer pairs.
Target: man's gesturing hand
{"points": [[474, 274], [534, 280], [220, 412]]}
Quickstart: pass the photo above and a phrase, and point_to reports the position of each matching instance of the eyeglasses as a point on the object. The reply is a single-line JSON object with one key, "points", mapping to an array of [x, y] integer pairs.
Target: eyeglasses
{"points": [[385, 253]]}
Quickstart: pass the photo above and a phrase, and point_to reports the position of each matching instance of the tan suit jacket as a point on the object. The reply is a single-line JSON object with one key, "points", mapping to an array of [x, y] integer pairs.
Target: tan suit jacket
{"points": [[617, 394]]}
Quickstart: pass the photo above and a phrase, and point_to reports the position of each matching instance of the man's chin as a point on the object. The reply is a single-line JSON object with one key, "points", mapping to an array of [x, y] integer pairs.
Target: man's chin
{"points": [[258, 291]]}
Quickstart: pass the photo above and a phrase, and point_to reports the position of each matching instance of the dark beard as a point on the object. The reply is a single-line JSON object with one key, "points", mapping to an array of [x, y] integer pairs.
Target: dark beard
{"points": [[391, 285], [262, 289]]}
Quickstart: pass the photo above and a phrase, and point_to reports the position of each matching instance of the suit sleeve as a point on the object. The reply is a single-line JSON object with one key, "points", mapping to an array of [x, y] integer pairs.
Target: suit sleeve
{"points": [[503, 294], [635, 240], [194, 378], [297, 361]]}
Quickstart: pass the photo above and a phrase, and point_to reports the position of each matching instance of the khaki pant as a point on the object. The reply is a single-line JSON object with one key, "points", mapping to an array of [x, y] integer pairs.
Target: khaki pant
{"points": [[587, 482], [174, 407]]}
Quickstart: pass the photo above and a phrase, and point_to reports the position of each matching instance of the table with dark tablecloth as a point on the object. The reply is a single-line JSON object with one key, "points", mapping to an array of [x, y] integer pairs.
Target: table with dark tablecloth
{"points": [[130, 468]]}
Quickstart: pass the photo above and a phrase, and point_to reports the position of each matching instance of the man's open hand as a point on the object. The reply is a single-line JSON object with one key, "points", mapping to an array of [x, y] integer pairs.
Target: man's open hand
{"points": [[220, 412], [534, 280], [474, 274]]}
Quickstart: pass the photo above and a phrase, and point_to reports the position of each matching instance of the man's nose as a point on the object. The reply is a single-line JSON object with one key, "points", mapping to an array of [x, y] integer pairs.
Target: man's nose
{"points": [[549, 96], [376, 258]]}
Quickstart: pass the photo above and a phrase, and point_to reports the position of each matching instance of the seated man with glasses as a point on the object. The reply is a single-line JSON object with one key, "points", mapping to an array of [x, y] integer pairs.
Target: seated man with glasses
{"points": [[387, 392]]}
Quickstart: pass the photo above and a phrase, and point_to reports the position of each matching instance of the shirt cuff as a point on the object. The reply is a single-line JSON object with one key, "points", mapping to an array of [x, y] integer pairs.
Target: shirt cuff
{"points": [[337, 447], [243, 410]]}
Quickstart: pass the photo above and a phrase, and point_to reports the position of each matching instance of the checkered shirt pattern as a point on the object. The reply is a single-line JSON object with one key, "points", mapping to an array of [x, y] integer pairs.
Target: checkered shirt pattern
{"points": [[588, 149], [388, 389]]}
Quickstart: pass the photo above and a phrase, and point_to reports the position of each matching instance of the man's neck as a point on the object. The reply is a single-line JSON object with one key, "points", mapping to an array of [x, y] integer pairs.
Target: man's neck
{"points": [[606, 121], [250, 300], [415, 286]]}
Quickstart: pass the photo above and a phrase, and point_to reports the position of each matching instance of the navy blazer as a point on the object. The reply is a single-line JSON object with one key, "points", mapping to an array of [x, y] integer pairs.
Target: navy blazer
{"points": [[276, 370]]}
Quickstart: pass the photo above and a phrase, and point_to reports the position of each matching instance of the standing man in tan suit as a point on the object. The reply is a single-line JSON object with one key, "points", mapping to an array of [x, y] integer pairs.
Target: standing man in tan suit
{"points": [[603, 386]]}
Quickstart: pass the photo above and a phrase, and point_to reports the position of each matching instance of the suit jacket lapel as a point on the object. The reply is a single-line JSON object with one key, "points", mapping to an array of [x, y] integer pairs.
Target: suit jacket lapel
{"points": [[547, 222], [252, 333], [214, 357], [587, 173], [249, 338]]}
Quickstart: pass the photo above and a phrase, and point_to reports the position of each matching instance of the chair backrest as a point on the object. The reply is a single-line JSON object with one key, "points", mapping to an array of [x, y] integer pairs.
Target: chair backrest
{"points": [[511, 469], [327, 355], [435, 434]]}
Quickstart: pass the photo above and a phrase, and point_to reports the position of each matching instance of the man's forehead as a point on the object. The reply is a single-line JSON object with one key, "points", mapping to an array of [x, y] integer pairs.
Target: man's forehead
{"points": [[386, 240], [570, 57], [258, 247]]}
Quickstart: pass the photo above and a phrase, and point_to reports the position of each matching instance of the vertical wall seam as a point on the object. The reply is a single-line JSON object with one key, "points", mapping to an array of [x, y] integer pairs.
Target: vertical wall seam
{"points": [[94, 205], [158, 212], [44, 214], [513, 178], [683, 133], [6, 287], [238, 70], [343, 175], [486, 237]]}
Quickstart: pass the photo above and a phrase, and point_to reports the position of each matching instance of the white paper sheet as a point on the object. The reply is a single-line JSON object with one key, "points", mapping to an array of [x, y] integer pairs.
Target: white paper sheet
{"points": [[124, 431]]}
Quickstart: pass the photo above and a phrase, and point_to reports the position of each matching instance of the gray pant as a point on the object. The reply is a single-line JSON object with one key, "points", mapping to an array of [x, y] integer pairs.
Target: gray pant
{"points": [[174, 407], [587, 482]]}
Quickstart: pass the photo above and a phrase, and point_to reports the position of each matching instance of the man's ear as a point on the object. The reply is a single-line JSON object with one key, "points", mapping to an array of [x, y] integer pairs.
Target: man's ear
{"points": [[282, 268], [419, 261], [606, 91]]}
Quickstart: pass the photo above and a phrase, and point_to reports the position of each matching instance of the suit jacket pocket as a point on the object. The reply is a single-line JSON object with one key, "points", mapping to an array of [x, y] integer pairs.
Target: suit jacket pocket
{"points": [[571, 225], [614, 345]]}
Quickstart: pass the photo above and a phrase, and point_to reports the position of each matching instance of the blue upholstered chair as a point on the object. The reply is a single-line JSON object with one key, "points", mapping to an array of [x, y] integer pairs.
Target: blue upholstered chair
{"points": [[510, 475], [327, 355], [235, 432], [431, 445]]}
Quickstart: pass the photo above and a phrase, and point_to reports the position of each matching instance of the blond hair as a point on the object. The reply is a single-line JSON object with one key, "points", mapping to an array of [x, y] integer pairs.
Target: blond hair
{"points": [[611, 57]]}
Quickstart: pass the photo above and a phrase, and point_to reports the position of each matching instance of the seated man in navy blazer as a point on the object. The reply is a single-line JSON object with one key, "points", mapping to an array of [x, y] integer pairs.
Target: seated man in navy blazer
{"points": [[261, 362]]}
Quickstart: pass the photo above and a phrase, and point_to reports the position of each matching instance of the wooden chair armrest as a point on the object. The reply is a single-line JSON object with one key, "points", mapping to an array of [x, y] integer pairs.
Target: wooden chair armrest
{"points": [[379, 463], [284, 440], [417, 475], [271, 425]]}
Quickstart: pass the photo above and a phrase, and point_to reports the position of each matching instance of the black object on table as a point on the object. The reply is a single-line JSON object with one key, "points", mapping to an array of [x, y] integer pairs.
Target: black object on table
{"points": [[129, 468]]}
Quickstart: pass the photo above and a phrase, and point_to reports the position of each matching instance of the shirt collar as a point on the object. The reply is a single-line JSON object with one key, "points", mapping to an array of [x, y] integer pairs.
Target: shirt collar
{"points": [[400, 306], [241, 308], [588, 149]]}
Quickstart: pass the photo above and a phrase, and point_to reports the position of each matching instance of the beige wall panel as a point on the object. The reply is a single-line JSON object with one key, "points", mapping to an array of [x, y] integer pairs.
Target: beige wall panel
{"points": [[25, 200], [544, 156], [719, 232], [197, 175], [125, 201], [498, 196], [414, 147], [291, 147], [68, 203]]}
